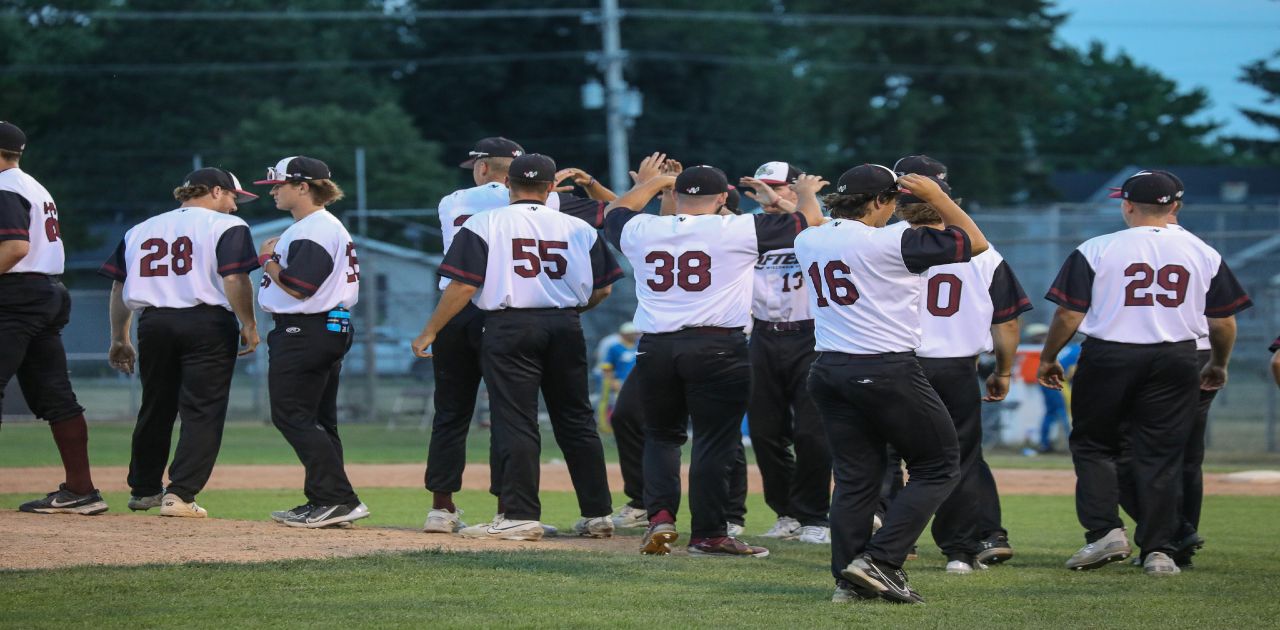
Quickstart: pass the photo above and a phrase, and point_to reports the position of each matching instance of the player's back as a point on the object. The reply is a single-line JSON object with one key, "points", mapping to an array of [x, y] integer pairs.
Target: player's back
{"points": [[42, 229], [177, 259], [959, 305]]}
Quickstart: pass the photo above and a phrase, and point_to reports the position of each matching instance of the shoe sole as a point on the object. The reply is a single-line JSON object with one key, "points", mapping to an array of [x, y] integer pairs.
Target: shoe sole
{"points": [[185, 514], [446, 530], [346, 519], [859, 578], [694, 553], [608, 534], [630, 524], [532, 536], [659, 544], [994, 556], [92, 509], [1104, 561]]}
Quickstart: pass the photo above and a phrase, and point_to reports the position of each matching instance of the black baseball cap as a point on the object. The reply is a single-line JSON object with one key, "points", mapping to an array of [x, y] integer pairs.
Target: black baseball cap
{"points": [[733, 200], [493, 147], [533, 167], [921, 165], [702, 181], [777, 173], [1156, 187], [225, 180], [12, 138], [298, 168], [908, 197], [866, 179], [1115, 190]]}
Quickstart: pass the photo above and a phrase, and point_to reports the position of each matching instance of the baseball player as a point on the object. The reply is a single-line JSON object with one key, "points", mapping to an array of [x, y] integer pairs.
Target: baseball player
{"points": [[967, 309], [693, 282], [310, 280], [34, 306], [781, 415], [532, 270], [187, 270], [865, 290], [1141, 296], [456, 351]]}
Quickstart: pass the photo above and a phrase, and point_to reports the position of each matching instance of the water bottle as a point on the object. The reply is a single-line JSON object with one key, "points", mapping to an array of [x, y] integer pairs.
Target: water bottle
{"points": [[339, 320]]}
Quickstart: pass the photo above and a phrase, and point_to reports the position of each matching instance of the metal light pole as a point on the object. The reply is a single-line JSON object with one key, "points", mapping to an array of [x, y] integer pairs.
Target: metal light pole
{"points": [[615, 94]]}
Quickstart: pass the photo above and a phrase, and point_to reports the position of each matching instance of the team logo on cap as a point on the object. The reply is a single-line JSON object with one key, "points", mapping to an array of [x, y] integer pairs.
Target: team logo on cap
{"points": [[517, 153], [693, 190], [531, 174], [764, 170], [840, 188]]}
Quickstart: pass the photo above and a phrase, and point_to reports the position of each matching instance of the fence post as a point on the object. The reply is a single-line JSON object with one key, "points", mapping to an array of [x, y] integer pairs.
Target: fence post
{"points": [[369, 301]]}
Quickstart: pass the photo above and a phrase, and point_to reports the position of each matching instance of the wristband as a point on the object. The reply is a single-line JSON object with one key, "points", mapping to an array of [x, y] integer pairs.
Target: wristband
{"points": [[1005, 375], [265, 258]]}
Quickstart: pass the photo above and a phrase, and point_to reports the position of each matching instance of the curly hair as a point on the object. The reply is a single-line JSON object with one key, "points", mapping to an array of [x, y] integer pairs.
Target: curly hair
{"points": [[858, 205], [187, 193], [919, 213]]}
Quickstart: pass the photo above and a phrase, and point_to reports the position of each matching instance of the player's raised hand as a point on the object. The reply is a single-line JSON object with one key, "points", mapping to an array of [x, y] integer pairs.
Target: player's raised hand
{"points": [[268, 246], [1051, 375], [922, 187], [121, 356], [249, 340], [997, 387], [809, 184], [650, 167], [672, 167], [1213, 378], [758, 191], [422, 345]]}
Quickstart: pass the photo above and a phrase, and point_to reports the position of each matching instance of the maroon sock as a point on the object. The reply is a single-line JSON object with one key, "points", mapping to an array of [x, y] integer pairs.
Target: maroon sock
{"points": [[72, 438], [663, 516], [443, 501]]}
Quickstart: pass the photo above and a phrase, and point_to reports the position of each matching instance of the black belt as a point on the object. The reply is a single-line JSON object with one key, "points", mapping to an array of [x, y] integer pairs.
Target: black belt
{"points": [[699, 330], [31, 274], [804, 324], [561, 309], [182, 309], [862, 357], [284, 318]]}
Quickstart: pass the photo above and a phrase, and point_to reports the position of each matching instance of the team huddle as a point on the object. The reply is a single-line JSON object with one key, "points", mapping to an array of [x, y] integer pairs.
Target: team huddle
{"points": [[861, 357]]}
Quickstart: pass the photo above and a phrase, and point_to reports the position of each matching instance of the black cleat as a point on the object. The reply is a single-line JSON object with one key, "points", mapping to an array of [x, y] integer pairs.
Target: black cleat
{"points": [[847, 591], [1185, 548], [995, 549], [63, 501], [889, 582], [281, 516], [328, 515]]}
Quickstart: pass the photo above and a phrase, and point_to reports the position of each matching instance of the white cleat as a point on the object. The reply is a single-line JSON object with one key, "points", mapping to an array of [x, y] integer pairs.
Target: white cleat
{"points": [[503, 529], [733, 530], [443, 522], [173, 505], [141, 504], [815, 535], [785, 528], [960, 567], [595, 527], [629, 517], [1159, 564], [1113, 547]]}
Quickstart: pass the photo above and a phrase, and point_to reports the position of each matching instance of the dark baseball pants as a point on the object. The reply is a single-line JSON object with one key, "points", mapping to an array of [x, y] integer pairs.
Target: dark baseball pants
{"points": [[989, 516], [869, 402], [302, 380], [699, 376], [628, 431], [525, 351], [1138, 401], [955, 527], [186, 357], [456, 366], [33, 310], [780, 416]]}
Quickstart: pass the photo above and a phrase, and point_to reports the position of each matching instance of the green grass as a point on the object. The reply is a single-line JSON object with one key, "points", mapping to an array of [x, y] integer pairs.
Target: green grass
{"points": [[29, 444], [1233, 586]]}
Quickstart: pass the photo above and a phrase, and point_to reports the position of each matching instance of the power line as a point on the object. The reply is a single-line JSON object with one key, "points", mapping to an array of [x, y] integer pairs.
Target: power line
{"points": [[285, 66], [716, 59]]}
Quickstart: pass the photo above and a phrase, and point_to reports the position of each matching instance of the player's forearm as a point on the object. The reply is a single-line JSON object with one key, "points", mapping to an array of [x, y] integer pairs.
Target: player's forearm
{"points": [[12, 252], [596, 298], [807, 205], [640, 196], [952, 214], [1275, 368], [1004, 341], [239, 290], [1061, 330], [598, 191], [273, 269], [121, 316], [454, 299], [668, 203], [1222, 338]]}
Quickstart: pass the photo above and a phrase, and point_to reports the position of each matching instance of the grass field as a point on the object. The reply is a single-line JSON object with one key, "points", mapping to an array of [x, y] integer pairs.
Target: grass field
{"points": [[1233, 587], [28, 444]]}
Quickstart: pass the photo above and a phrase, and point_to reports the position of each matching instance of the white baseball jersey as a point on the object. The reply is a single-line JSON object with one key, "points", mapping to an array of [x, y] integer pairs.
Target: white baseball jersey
{"points": [[178, 259], [1202, 343], [319, 261], [696, 270], [778, 293], [963, 300], [27, 213], [455, 209], [1147, 285], [864, 282], [527, 255]]}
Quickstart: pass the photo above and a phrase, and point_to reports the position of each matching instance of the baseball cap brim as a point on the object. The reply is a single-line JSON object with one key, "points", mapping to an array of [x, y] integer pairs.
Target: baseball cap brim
{"points": [[244, 196], [1116, 193], [471, 162], [773, 182], [270, 182]]}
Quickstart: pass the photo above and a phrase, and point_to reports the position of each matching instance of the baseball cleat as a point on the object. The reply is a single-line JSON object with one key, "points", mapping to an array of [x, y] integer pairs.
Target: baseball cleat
{"points": [[815, 535], [995, 549], [964, 565], [595, 527], [734, 529], [443, 522], [629, 517], [281, 516], [786, 528], [1185, 548], [173, 505], [1159, 564], [847, 592], [890, 583], [550, 531], [141, 504], [504, 529], [726, 547], [329, 515], [63, 501], [658, 539], [1113, 547]]}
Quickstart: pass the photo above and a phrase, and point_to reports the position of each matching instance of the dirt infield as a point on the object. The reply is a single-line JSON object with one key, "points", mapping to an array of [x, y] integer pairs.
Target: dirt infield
{"points": [[554, 477]]}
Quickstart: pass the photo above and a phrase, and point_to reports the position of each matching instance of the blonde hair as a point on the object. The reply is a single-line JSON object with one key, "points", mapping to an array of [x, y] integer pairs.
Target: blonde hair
{"points": [[187, 193], [919, 213], [323, 191]]}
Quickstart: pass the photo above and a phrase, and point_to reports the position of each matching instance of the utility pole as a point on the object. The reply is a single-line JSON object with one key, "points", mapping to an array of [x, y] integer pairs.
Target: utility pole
{"points": [[369, 305], [615, 94]]}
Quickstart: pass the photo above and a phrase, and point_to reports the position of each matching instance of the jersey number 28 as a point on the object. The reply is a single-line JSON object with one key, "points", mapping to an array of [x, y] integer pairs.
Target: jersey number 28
{"points": [[157, 248]]}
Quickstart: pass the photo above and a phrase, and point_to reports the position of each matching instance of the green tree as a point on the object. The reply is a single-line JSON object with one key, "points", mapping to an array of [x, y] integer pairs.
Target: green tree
{"points": [[1266, 77]]}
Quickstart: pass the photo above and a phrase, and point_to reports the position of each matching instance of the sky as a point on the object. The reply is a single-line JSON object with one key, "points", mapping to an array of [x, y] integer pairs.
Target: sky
{"points": [[1194, 42]]}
